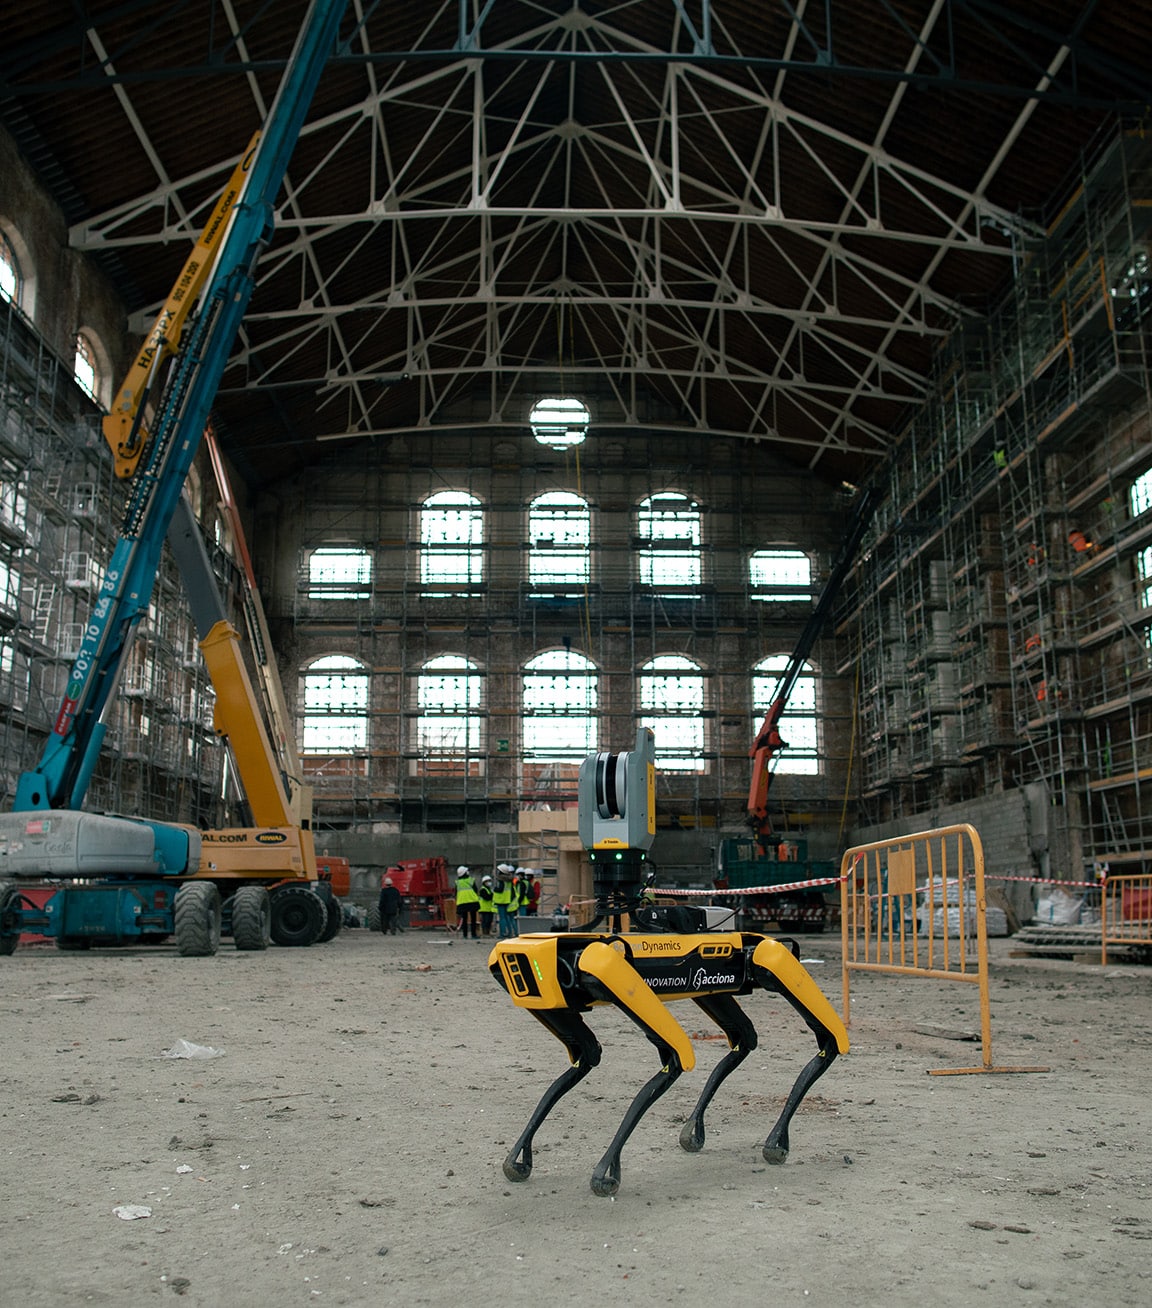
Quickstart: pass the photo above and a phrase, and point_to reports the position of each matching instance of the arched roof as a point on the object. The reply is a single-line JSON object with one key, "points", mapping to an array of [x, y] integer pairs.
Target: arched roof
{"points": [[750, 218]]}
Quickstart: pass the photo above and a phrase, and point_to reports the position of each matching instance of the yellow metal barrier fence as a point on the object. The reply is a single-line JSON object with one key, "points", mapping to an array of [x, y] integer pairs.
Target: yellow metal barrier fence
{"points": [[1125, 911], [915, 906]]}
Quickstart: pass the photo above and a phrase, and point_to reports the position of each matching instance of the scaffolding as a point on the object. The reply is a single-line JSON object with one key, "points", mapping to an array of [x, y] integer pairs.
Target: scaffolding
{"points": [[59, 506], [1015, 479]]}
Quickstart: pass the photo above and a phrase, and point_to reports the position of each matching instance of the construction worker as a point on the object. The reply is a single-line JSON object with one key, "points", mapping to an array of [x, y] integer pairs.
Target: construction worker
{"points": [[486, 890], [390, 904], [523, 890], [514, 904], [467, 903], [502, 898]]}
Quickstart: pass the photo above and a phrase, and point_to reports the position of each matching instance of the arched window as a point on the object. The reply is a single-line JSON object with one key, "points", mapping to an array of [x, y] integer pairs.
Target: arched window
{"points": [[560, 701], [798, 726], [14, 499], [451, 542], [672, 704], [1140, 501], [1140, 494], [448, 735], [11, 280], [15, 676], [668, 557], [9, 585], [780, 574], [559, 537], [84, 367], [559, 422], [339, 573], [335, 706]]}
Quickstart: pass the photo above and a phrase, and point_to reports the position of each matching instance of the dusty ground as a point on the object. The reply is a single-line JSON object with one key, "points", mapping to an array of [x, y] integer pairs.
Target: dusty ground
{"points": [[346, 1148]]}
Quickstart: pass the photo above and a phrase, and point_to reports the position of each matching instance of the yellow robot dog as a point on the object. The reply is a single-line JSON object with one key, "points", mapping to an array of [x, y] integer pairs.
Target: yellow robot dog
{"points": [[558, 977]]}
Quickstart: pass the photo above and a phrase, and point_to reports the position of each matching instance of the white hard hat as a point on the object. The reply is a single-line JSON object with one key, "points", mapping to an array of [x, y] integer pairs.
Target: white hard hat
{"points": [[462, 870], [486, 880], [503, 867]]}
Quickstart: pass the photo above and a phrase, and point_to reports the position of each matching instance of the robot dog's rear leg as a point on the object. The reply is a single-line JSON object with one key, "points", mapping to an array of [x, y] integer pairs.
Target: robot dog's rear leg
{"points": [[606, 1177], [776, 1146], [737, 1026], [584, 1052]]}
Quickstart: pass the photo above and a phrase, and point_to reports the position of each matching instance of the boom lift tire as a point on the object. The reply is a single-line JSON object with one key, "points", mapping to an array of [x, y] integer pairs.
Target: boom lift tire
{"points": [[374, 922], [197, 919], [9, 921], [334, 922], [251, 918], [298, 916]]}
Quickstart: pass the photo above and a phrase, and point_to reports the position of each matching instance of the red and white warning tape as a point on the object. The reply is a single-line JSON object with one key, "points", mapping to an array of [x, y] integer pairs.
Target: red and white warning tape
{"points": [[1044, 881], [752, 890], [671, 892]]}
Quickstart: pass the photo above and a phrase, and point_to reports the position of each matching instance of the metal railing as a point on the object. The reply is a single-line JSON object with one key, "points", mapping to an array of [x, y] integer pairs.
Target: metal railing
{"points": [[915, 906]]}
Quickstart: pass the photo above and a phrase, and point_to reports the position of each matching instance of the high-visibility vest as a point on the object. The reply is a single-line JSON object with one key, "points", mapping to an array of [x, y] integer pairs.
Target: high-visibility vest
{"points": [[466, 891], [485, 894], [503, 893]]}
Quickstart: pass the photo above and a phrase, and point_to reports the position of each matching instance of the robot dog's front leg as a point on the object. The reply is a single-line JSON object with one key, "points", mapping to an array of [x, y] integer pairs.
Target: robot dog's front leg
{"points": [[606, 1175], [608, 973], [776, 1146], [778, 970], [584, 1054]]}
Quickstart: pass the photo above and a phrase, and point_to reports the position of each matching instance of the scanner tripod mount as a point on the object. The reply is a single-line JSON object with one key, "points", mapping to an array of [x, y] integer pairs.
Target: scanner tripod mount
{"points": [[618, 883]]}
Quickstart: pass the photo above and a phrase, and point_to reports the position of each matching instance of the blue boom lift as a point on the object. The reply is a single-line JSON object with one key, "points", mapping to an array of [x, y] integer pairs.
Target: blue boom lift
{"points": [[127, 878]]}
